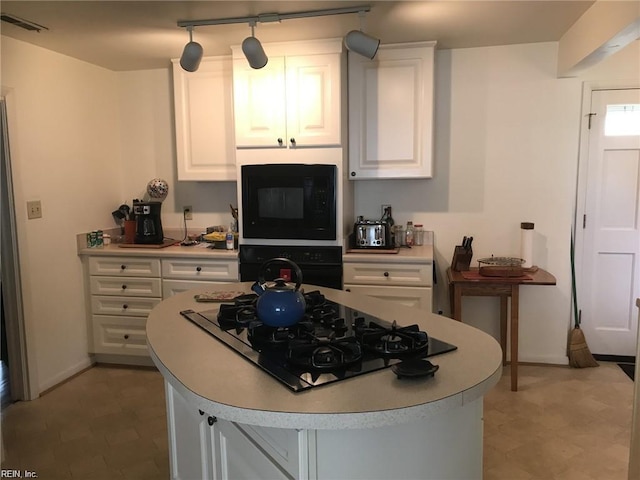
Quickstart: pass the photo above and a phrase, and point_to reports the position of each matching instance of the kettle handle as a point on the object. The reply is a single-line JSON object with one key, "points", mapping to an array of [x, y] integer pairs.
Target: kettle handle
{"points": [[293, 265]]}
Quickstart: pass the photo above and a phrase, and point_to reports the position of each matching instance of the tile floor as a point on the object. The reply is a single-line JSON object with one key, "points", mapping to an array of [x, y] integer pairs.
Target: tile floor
{"points": [[109, 423]]}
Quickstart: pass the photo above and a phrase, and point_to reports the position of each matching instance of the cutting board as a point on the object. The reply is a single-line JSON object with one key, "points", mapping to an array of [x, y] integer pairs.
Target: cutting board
{"points": [[167, 242], [372, 250]]}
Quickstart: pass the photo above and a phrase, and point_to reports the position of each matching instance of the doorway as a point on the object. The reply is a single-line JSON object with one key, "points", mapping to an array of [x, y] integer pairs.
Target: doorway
{"points": [[608, 222], [14, 355]]}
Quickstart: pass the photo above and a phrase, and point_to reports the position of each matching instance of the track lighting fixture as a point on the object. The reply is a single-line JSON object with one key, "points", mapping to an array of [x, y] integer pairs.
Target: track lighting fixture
{"points": [[359, 42], [356, 41], [192, 54], [252, 49]]}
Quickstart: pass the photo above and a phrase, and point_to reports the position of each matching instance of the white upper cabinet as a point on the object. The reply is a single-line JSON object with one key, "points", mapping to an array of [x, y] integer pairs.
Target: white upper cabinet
{"points": [[204, 120], [391, 112], [294, 101]]}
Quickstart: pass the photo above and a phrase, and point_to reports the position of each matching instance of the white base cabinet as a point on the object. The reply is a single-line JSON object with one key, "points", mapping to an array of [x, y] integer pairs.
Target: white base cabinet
{"points": [[402, 283], [447, 445], [122, 291]]}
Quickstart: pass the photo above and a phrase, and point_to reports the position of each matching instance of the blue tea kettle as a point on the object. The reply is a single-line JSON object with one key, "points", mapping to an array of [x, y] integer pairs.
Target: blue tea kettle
{"points": [[281, 304]]}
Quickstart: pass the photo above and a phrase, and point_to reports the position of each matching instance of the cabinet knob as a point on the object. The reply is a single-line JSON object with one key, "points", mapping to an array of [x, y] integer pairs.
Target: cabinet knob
{"points": [[198, 269], [122, 267], [293, 141], [386, 274], [125, 306], [211, 420], [200, 412], [280, 142], [124, 287], [347, 289], [126, 337], [353, 174]]}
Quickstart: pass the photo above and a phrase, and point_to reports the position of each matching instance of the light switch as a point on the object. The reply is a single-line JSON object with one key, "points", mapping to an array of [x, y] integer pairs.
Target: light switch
{"points": [[34, 209]]}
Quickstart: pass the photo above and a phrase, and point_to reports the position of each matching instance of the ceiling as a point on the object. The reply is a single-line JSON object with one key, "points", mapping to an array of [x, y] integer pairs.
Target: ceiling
{"points": [[136, 35]]}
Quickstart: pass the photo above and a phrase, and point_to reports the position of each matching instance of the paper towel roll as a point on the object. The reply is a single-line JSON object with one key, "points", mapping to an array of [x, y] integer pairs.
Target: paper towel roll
{"points": [[526, 243]]}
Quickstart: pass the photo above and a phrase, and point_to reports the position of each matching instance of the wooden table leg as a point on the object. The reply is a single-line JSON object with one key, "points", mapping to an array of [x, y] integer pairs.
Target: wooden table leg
{"points": [[457, 303], [514, 336], [504, 303]]}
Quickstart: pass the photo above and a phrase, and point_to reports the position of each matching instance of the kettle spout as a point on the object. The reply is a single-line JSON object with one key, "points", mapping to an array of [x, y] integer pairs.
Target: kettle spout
{"points": [[258, 288]]}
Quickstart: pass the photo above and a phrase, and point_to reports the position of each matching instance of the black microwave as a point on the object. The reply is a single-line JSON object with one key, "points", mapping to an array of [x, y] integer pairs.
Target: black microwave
{"points": [[289, 201]]}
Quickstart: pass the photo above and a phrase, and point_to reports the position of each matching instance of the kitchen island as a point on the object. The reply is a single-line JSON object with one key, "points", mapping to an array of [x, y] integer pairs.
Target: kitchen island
{"points": [[229, 419]]}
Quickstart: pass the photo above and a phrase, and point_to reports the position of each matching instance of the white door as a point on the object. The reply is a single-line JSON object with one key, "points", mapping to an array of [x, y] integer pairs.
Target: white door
{"points": [[610, 279]]}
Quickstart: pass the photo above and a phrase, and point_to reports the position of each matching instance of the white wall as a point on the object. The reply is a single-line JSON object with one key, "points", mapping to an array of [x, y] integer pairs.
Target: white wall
{"points": [[506, 151], [65, 152]]}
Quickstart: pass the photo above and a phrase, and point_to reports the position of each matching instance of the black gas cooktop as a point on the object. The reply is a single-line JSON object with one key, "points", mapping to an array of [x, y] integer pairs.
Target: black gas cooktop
{"points": [[332, 342]]}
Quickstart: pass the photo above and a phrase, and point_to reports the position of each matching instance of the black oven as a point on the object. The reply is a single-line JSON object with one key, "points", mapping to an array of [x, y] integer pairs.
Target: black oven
{"points": [[289, 201]]}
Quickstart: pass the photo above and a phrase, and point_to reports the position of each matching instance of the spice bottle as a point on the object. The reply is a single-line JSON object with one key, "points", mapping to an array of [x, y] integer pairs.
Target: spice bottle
{"points": [[408, 235], [418, 234]]}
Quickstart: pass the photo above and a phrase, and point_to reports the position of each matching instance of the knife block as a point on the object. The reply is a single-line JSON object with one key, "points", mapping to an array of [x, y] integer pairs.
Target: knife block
{"points": [[461, 259]]}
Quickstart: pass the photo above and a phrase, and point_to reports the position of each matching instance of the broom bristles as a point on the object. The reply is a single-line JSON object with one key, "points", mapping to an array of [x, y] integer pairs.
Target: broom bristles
{"points": [[579, 353]]}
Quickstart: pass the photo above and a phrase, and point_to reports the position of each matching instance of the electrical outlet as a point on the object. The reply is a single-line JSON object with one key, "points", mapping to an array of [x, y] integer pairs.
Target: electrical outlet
{"points": [[188, 212], [34, 209], [384, 207]]}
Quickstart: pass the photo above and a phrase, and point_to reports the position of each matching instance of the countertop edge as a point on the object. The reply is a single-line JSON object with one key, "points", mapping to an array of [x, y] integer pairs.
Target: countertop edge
{"points": [[326, 421]]}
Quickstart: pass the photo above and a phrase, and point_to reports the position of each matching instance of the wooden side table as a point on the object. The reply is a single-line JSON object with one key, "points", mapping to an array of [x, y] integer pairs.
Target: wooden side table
{"points": [[471, 283]]}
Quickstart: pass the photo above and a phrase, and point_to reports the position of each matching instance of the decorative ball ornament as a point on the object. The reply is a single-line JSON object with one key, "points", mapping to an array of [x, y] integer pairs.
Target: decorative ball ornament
{"points": [[158, 189]]}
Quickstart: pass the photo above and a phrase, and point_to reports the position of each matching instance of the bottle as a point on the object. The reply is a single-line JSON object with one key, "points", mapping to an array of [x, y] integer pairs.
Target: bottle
{"points": [[229, 238], [408, 235], [418, 235], [388, 219]]}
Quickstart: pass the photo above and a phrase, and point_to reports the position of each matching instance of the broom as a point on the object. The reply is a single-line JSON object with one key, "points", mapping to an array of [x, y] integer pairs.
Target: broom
{"points": [[579, 353]]}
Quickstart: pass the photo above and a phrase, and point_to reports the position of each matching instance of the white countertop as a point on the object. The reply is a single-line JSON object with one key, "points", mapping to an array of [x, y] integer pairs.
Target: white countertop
{"points": [[195, 251], [221, 382]]}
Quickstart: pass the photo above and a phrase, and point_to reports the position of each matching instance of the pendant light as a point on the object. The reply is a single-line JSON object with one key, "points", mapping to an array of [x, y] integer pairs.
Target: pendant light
{"points": [[359, 42], [192, 54], [253, 51]]}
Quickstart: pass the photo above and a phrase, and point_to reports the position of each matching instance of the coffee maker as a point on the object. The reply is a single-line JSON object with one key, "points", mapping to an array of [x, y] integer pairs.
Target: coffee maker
{"points": [[148, 224]]}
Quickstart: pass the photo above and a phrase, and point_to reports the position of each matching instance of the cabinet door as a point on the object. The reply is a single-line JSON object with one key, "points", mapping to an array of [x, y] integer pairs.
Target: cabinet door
{"points": [[391, 112], [204, 121], [239, 458], [313, 100], [407, 296], [259, 101], [190, 451]]}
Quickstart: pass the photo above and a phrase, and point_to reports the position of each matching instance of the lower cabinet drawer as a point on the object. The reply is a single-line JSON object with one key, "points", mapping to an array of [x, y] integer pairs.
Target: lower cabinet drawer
{"points": [[126, 286], [388, 274], [199, 269], [173, 287], [419, 297], [130, 306], [119, 335]]}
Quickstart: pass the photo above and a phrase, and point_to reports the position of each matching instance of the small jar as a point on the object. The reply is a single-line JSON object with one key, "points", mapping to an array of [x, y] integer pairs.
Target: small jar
{"points": [[398, 236], [408, 235], [418, 234]]}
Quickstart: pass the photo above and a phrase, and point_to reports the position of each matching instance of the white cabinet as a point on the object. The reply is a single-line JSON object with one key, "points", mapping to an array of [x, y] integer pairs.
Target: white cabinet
{"points": [[205, 148], [123, 290], [403, 283], [181, 274], [295, 101], [391, 112], [204, 447]]}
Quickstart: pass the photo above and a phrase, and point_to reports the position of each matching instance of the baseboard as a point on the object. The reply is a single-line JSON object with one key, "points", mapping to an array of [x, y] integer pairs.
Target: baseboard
{"points": [[614, 358], [65, 376]]}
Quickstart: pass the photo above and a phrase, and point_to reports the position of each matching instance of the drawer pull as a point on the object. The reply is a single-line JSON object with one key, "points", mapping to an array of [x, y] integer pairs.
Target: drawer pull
{"points": [[211, 421], [200, 412], [125, 306], [124, 287], [198, 269], [126, 337], [386, 274], [123, 267], [347, 289], [280, 141]]}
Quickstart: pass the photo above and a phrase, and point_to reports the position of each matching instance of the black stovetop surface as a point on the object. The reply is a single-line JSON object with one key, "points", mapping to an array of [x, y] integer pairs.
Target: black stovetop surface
{"points": [[332, 342]]}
